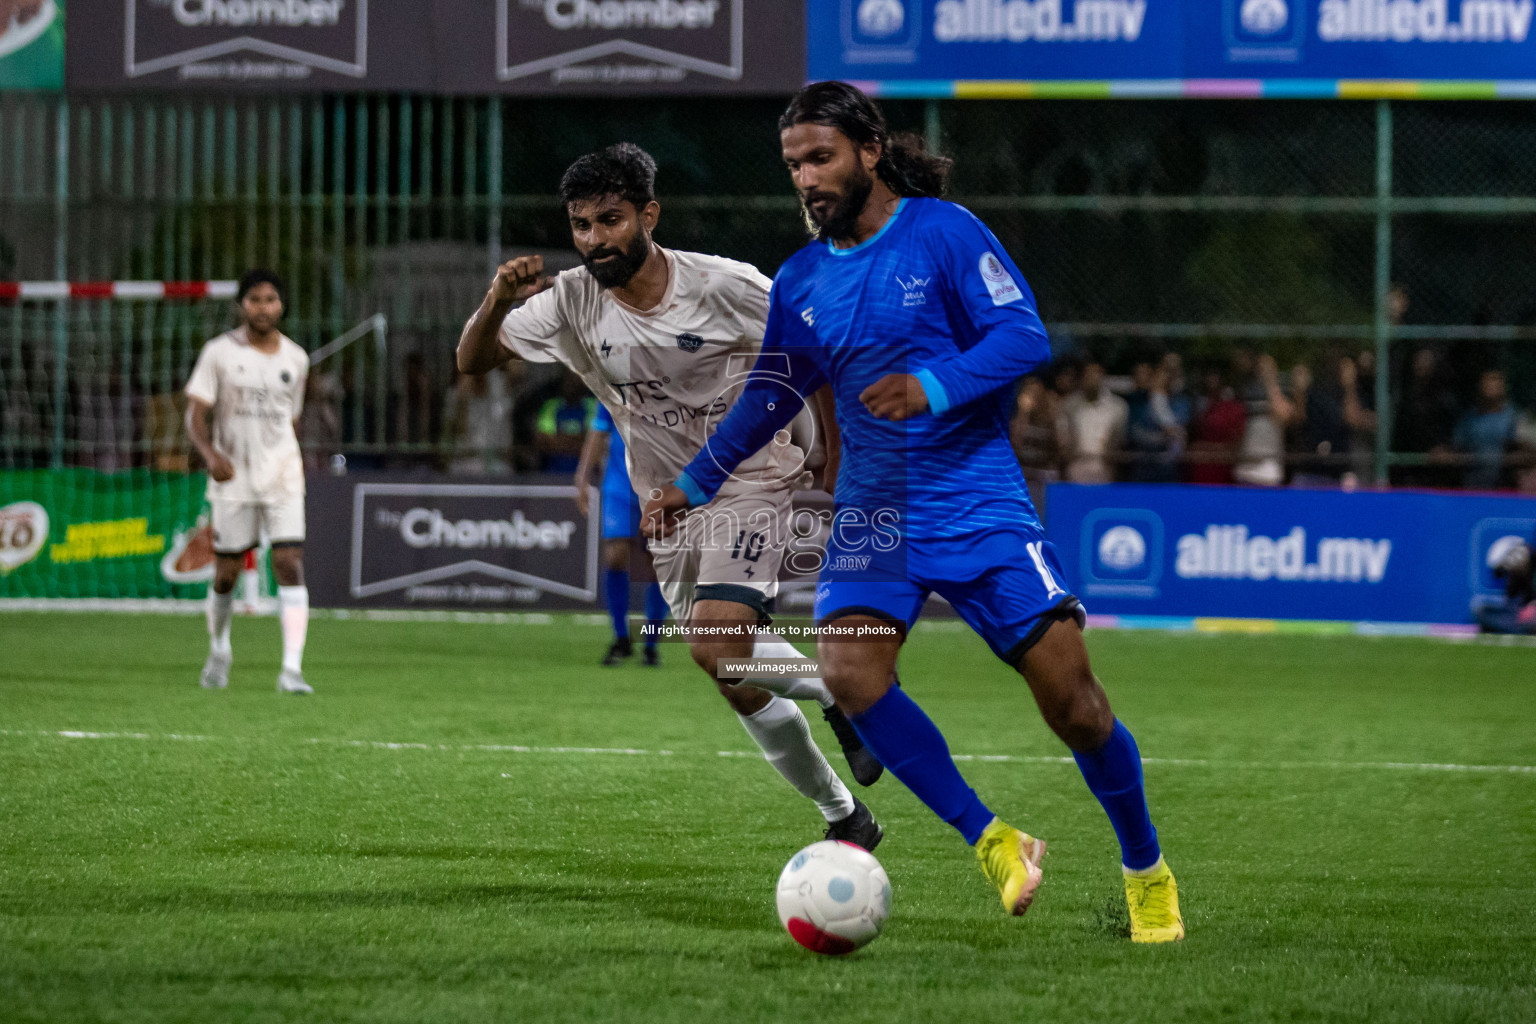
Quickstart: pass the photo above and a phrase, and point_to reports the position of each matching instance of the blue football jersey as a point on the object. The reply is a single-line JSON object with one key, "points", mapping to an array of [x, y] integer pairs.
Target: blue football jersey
{"points": [[935, 295]]}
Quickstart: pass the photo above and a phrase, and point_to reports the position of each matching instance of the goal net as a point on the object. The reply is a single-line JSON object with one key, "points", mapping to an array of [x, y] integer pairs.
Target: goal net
{"points": [[101, 496]]}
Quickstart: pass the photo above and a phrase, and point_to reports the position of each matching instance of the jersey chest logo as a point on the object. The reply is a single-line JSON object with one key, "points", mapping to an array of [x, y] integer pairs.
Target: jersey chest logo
{"points": [[914, 290], [689, 342]]}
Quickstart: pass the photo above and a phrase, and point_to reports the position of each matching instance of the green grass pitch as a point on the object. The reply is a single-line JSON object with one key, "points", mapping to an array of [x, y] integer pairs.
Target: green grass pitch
{"points": [[361, 856]]}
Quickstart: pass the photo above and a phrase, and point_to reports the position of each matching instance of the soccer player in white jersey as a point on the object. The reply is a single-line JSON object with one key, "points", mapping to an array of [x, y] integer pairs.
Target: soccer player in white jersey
{"points": [[250, 383], [655, 334]]}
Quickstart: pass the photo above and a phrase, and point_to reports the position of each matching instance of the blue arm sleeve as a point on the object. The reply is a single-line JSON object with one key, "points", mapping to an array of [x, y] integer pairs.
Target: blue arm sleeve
{"points": [[751, 424], [602, 422], [985, 292]]}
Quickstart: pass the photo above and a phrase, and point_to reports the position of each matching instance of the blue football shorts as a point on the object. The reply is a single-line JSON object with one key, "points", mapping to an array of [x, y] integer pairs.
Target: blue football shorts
{"points": [[1007, 585]]}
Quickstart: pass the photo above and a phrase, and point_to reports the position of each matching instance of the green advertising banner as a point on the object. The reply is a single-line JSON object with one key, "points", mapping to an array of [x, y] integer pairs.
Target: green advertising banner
{"points": [[80, 533], [32, 44]]}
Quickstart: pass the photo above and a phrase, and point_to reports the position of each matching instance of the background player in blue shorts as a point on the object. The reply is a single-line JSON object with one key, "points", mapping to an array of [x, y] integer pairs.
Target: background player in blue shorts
{"points": [[621, 524], [913, 311]]}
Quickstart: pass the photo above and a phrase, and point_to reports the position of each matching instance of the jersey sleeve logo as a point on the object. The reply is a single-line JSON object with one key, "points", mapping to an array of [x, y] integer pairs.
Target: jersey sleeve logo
{"points": [[1000, 284], [689, 342]]}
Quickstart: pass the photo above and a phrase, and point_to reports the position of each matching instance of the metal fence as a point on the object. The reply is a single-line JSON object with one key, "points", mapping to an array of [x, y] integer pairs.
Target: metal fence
{"points": [[1195, 226]]}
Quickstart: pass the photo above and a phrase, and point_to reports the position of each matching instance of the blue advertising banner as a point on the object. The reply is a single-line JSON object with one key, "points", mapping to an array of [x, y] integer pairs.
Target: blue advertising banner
{"points": [[1237, 552], [1314, 48]]}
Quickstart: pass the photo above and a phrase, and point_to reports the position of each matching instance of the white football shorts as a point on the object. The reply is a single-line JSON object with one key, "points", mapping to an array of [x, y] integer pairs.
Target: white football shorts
{"points": [[238, 525]]}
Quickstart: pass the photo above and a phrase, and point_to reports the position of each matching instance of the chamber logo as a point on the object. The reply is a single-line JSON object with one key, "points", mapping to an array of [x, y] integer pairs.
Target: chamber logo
{"points": [[431, 541], [607, 42], [281, 39], [1122, 548]]}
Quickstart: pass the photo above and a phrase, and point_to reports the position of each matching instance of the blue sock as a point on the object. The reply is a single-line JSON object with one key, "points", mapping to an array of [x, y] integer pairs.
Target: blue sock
{"points": [[655, 609], [907, 742], [616, 582], [1113, 774]]}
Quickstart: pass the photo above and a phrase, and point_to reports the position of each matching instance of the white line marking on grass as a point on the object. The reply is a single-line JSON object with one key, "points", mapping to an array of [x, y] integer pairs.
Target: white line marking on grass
{"points": [[504, 748], [78, 734], [518, 748]]}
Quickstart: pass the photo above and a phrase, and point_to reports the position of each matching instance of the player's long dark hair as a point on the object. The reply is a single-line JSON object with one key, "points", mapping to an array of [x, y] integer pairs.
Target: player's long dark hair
{"points": [[905, 163]]}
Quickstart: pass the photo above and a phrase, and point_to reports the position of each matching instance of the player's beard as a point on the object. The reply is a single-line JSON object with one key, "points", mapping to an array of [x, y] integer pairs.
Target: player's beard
{"points": [[617, 272], [842, 219]]}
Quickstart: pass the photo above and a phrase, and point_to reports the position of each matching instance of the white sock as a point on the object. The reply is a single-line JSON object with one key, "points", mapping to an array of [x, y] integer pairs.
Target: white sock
{"points": [[293, 605], [771, 645], [785, 738], [220, 608]]}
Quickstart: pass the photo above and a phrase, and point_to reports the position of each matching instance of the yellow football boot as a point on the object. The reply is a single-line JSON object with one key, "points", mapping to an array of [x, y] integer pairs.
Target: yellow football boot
{"points": [[1011, 859], [1153, 898]]}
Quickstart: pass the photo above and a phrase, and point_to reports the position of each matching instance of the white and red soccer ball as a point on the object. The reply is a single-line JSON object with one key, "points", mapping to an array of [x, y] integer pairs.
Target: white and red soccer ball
{"points": [[833, 897]]}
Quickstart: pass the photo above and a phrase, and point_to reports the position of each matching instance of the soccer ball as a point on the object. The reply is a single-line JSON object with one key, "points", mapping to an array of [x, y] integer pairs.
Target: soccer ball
{"points": [[833, 897]]}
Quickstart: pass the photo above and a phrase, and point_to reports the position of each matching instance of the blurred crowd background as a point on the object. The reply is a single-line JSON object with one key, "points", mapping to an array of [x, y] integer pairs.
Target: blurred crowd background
{"points": [[1272, 293]]}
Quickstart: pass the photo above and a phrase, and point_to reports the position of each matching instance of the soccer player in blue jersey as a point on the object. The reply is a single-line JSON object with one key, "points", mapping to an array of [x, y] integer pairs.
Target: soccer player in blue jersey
{"points": [[621, 525], [915, 314]]}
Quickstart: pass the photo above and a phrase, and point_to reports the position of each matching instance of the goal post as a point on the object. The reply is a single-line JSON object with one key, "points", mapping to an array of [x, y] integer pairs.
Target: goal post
{"points": [[100, 496]]}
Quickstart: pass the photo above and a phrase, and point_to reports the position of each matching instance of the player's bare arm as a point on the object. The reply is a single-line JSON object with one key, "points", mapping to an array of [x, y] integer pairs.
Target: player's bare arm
{"points": [[516, 281], [219, 467], [594, 453], [663, 509], [896, 396]]}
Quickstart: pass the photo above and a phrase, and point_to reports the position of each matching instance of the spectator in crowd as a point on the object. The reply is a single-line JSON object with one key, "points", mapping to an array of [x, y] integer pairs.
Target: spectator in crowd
{"points": [[477, 424], [1424, 422], [562, 426], [418, 418], [1261, 453], [1524, 468], [109, 415], [1033, 430], [1066, 376], [1215, 432], [1487, 432], [1362, 435], [1095, 425], [1325, 414], [320, 421], [1157, 420]]}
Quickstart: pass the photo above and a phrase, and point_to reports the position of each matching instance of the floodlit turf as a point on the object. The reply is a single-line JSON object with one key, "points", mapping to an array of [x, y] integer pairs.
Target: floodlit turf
{"points": [[254, 857]]}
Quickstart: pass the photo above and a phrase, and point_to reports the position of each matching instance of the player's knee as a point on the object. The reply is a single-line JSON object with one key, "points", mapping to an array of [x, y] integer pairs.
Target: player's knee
{"points": [[616, 555], [1079, 714], [226, 572], [743, 699], [707, 654], [288, 566], [853, 678]]}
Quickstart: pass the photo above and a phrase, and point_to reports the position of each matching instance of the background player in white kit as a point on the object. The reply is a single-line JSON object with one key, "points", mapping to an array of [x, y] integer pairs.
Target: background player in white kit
{"points": [[250, 382], [656, 334]]}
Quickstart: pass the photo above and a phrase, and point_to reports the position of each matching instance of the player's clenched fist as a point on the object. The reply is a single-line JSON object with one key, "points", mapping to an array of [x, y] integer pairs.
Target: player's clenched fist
{"points": [[896, 396], [220, 468], [520, 280], [663, 509]]}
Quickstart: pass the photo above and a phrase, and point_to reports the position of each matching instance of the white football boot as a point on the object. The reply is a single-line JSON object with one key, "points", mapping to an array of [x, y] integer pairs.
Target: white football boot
{"points": [[216, 671], [292, 682]]}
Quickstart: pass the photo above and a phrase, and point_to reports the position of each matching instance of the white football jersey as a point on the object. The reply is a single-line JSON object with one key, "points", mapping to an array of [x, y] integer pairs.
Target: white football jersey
{"points": [[669, 374], [255, 398]]}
